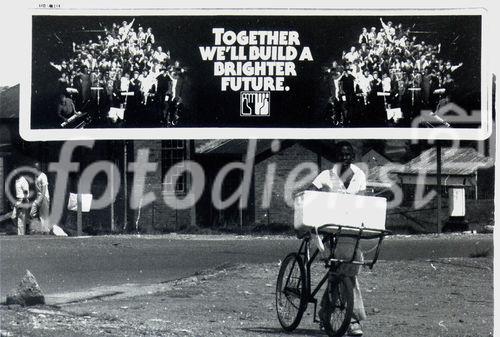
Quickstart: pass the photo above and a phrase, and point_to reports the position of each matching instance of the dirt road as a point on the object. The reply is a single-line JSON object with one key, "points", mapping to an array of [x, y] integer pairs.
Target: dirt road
{"points": [[444, 297]]}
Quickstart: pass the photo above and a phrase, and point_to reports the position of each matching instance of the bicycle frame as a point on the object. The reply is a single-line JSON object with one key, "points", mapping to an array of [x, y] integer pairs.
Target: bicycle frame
{"points": [[332, 263]]}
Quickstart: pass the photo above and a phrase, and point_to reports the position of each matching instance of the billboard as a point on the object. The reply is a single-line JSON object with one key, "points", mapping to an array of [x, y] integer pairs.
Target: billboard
{"points": [[257, 74]]}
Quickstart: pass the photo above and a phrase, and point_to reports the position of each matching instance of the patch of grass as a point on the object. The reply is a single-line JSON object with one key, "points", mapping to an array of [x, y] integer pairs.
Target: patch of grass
{"points": [[483, 252]]}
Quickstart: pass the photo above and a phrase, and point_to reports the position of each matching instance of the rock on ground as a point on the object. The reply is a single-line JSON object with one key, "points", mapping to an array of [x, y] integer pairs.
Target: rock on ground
{"points": [[28, 292]]}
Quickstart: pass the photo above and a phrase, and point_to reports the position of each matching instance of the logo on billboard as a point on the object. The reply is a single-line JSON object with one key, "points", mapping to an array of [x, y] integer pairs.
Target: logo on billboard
{"points": [[255, 103]]}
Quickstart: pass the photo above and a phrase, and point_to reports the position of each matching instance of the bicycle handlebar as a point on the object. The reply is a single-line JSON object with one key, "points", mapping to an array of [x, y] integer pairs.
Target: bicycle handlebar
{"points": [[338, 228]]}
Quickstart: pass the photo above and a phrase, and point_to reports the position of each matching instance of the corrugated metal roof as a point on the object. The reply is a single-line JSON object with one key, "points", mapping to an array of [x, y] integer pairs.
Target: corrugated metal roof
{"points": [[372, 158], [5, 148], [239, 146], [455, 161], [231, 146], [383, 174], [9, 103], [208, 145]]}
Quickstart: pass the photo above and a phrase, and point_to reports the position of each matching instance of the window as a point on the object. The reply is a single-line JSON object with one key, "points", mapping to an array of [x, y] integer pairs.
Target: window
{"points": [[173, 152]]}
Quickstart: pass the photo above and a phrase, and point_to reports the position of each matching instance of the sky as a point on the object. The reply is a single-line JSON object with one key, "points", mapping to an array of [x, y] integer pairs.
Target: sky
{"points": [[9, 65]]}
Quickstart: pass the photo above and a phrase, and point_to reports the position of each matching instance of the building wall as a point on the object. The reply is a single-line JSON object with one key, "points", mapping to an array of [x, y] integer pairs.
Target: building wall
{"points": [[6, 132], [486, 183], [207, 214], [278, 212], [326, 164], [2, 185], [407, 219], [156, 217]]}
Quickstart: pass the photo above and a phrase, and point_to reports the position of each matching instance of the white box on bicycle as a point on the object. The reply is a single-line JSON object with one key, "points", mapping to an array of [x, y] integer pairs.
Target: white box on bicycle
{"points": [[314, 209]]}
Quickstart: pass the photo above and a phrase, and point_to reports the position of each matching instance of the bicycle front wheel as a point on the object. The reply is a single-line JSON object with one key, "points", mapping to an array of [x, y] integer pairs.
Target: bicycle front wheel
{"points": [[291, 300], [338, 311]]}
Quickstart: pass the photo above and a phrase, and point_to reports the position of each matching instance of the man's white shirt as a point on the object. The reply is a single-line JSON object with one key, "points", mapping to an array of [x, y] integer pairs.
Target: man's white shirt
{"points": [[330, 179], [22, 186], [42, 185]]}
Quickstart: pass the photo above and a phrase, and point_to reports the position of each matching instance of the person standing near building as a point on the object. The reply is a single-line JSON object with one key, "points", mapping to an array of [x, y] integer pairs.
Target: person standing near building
{"points": [[20, 209], [347, 178], [41, 206]]}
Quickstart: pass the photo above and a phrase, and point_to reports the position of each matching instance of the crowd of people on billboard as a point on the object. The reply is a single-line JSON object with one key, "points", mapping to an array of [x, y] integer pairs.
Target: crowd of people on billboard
{"points": [[123, 76], [387, 78]]}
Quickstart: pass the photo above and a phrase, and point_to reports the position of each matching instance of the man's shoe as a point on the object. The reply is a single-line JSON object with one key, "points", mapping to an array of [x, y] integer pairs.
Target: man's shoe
{"points": [[354, 329]]}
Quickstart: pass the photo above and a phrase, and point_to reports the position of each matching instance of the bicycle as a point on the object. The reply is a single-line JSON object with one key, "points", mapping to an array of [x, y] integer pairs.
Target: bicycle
{"points": [[294, 286]]}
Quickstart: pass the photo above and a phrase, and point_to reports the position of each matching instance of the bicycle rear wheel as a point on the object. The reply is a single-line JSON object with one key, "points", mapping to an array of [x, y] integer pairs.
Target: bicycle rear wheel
{"points": [[291, 300], [338, 311]]}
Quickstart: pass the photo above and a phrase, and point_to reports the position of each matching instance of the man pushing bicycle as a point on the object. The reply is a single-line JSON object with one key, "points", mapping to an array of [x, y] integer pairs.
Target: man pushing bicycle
{"points": [[345, 177]]}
